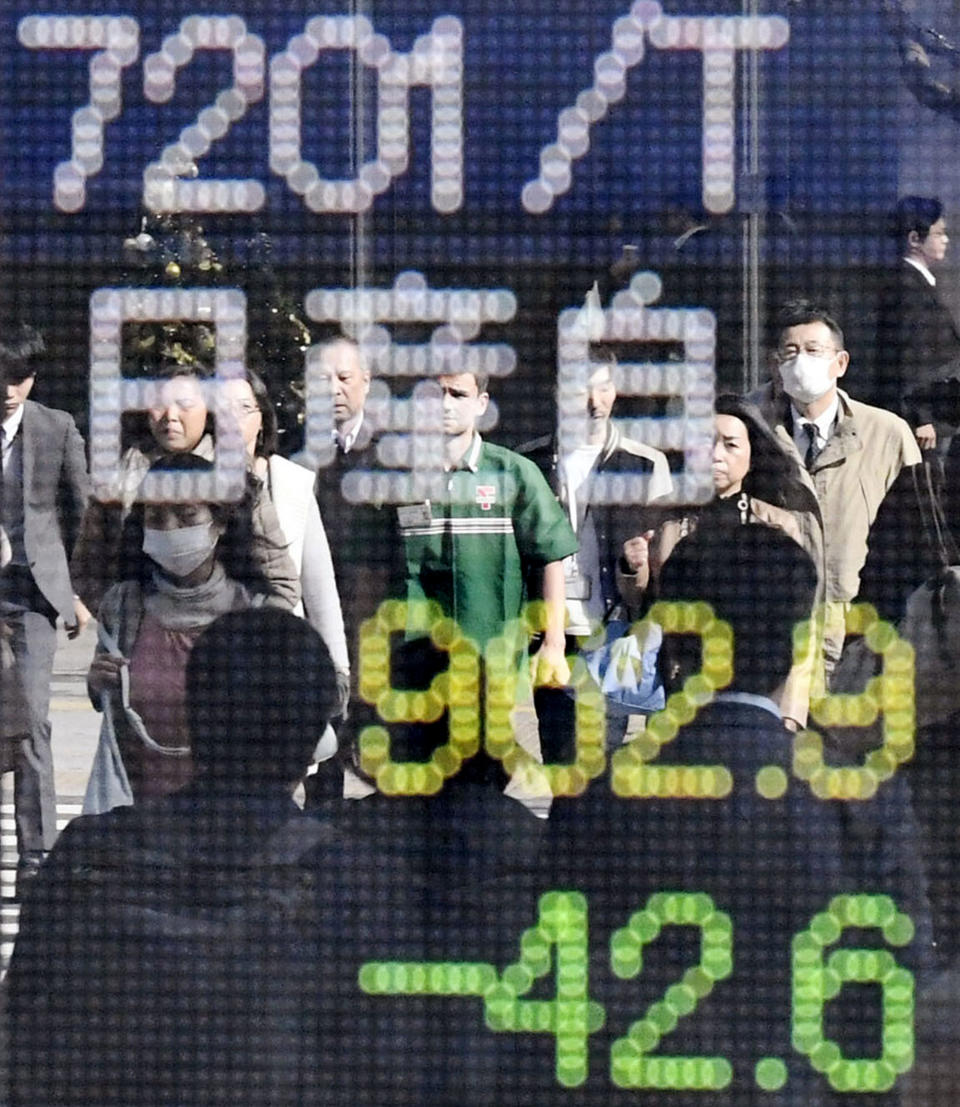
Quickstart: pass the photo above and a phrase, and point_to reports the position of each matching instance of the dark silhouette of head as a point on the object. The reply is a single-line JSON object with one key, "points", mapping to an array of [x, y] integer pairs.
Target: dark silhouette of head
{"points": [[260, 690]]}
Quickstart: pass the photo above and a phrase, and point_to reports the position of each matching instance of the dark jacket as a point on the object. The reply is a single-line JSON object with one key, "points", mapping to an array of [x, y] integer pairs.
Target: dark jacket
{"points": [[161, 956], [918, 345], [55, 490], [614, 523], [364, 540]]}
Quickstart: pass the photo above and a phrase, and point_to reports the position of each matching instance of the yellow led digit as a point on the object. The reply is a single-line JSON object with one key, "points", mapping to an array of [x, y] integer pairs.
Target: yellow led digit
{"points": [[633, 774], [632, 1062], [457, 690], [503, 675], [889, 696]]}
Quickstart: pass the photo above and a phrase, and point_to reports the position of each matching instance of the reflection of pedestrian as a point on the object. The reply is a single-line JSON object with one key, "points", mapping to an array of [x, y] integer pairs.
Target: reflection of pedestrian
{"points": [[185, 564], [498, 539], [592, 575], [756, 482], [163, 949], [364, 543], [851, 452], [178, 423], [918, 343], [290, 489], [44, 489]]}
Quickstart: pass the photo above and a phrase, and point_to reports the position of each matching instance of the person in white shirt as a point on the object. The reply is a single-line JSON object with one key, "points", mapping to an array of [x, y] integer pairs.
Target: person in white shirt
{"points": [[593, 574]]}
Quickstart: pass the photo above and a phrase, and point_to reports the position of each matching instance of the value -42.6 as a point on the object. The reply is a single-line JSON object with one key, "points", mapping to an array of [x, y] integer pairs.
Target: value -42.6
{"points": [[559, 940]]}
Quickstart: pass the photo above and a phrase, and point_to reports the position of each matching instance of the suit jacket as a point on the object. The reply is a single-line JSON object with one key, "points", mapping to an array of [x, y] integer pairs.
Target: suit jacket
{"points": [[364, 540], [918, 344], [55, 490]]}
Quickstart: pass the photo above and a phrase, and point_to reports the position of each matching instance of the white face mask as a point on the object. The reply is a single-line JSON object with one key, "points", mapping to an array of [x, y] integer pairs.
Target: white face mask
{"points": [[806, 378], [182, 550]]}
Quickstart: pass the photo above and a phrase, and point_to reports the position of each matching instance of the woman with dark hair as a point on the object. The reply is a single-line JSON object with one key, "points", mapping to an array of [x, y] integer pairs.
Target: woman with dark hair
{"points": [[178, 423], [182, 565], [756, 482], [290, 488]]}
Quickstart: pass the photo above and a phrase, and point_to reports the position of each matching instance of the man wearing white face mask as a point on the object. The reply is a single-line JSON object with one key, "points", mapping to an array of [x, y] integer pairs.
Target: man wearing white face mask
{"points": [[851, 452]]}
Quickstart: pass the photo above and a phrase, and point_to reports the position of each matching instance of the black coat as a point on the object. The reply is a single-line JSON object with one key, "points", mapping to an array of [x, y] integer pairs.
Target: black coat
{"points": [[918, 346], [161, 955], [364, 540]]}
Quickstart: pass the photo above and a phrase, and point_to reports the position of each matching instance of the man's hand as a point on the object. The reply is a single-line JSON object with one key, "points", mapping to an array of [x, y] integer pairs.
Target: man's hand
{"points": [[549, 665], [926, 436], [83, 616], [636, 551]]}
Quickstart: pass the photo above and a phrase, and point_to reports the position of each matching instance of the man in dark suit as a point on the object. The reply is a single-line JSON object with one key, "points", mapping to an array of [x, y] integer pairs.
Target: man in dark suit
{"points": [[364, 541], [44, 492], [918, 342]]}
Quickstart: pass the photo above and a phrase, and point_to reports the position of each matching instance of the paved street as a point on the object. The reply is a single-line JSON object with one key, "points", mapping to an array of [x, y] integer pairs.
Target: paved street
{"points": [[75, 729], [75, 724]]}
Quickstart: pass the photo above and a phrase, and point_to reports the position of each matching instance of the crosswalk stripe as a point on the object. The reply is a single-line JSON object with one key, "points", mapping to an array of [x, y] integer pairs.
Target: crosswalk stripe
{"points": [[68, 808]]}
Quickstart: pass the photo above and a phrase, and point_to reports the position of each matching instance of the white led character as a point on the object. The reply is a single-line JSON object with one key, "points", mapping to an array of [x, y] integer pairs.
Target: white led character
{"points": [[116, 40], [435, 62], [164, 189], [691, 381], [718, 38], [111, 394], [411, 445]]}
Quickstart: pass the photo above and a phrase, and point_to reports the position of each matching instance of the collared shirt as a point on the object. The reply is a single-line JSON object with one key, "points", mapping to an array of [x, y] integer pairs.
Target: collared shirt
{"points": [[752, 699], [581, 570], [346, 441], [471, 553], [921, 268], [12, 548], [10, 428], [823, 424]]}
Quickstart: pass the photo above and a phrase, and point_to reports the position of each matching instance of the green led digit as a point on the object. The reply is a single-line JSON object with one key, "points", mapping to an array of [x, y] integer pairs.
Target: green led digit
{"points": [[632, 1061], [633, 772], [457, 689], [503, 677], [891, 695], [816, 981], [571, 1016]]}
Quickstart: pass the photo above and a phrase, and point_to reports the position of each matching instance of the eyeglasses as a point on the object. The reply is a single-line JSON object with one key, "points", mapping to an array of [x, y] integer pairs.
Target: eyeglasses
{"points": [[787, 353], [243, 410]]}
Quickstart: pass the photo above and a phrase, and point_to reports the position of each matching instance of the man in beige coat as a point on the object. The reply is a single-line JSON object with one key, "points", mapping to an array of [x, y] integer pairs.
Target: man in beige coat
{"points": [[851, 452]]}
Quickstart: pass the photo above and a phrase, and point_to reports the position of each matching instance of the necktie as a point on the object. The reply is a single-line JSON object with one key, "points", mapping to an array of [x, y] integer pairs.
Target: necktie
{"points": [[811, 455]]}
